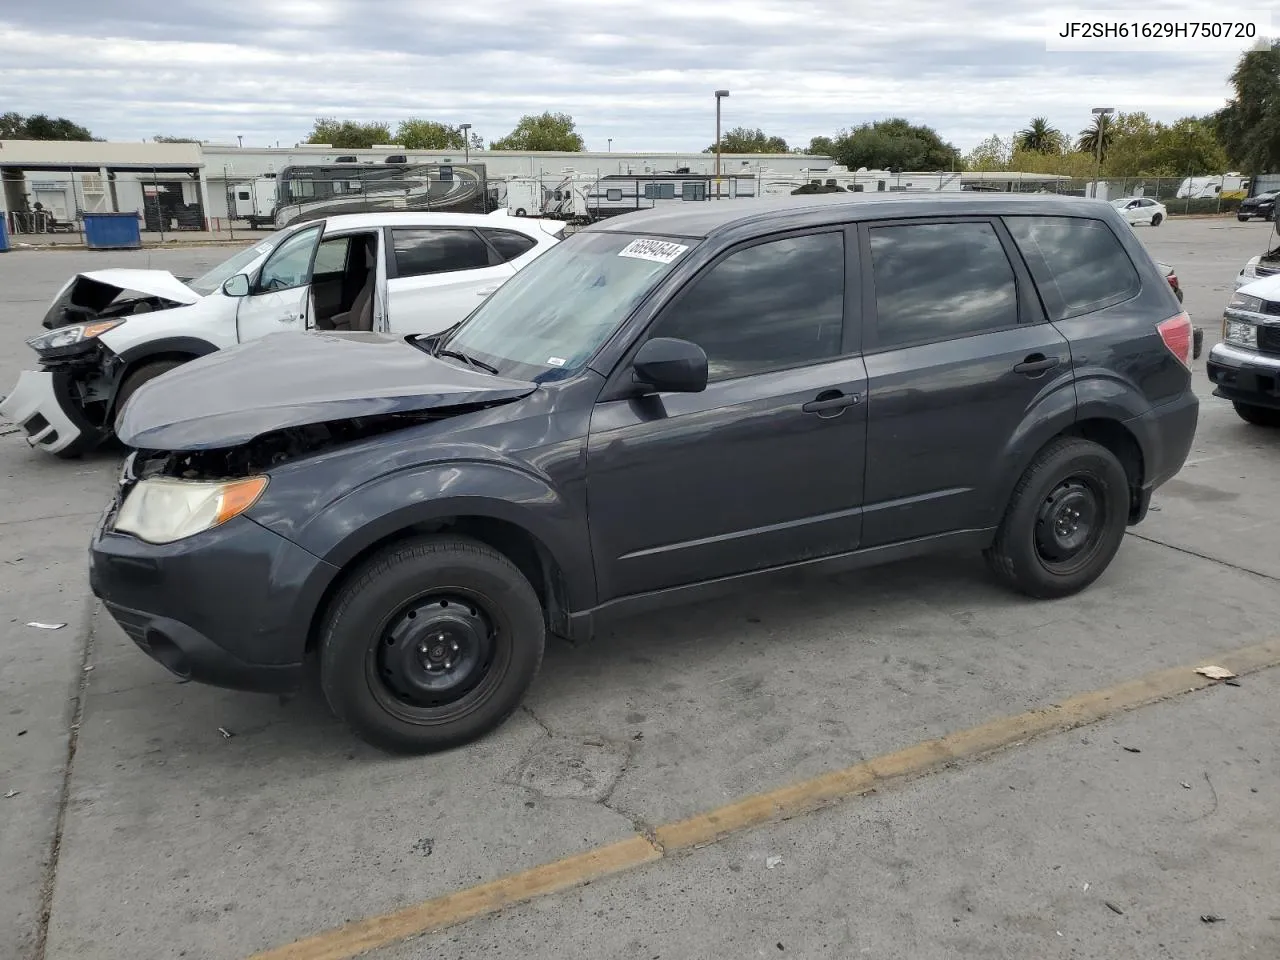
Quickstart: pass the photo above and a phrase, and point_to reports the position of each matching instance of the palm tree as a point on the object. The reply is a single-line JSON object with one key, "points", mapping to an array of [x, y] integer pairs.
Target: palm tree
{"points": [[1096, 140], [1040, 137]]}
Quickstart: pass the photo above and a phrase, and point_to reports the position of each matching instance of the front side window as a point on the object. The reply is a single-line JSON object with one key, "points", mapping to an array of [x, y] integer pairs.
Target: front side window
{"points": [[331, 257], [1078, 264], [939, 281], [438, 250], [774, 305], [549, 319], [290, 265]]}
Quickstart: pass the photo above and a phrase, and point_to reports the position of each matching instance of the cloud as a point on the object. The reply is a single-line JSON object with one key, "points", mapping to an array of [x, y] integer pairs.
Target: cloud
{"points": [[639, 71]]}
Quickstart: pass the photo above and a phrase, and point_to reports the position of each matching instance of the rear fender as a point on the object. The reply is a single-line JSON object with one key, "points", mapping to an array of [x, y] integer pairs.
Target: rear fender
{"points": [[1053, 414]]}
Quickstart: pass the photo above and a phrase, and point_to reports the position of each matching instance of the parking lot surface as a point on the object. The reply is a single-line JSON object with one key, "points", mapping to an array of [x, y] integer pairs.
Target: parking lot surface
{"points": [[155, 818]]}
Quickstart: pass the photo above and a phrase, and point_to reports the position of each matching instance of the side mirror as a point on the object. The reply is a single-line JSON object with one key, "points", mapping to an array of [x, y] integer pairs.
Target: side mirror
{"points": [[237, 286], [671, 366]]}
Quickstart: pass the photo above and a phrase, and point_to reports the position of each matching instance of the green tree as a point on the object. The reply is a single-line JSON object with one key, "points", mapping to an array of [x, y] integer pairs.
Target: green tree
{"points": [[1248, 127], [415, 134], [1073, 163], [895, 144], [822, 147], [14, 126], [1041, 137], [746, 140], [546, 131], [993, 153], [349, 134], [164, 139], [1096, 139]]}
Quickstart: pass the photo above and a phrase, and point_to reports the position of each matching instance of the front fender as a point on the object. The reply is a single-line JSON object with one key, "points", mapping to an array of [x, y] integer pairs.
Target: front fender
{"points": [[340, 529]]}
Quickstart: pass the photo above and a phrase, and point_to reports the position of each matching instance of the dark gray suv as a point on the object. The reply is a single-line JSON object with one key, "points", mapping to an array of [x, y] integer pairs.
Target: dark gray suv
{"points": [[667, 405]]}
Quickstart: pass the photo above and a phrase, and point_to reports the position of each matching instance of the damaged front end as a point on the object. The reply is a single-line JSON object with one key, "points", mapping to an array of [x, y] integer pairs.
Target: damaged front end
{"points": [[269, 450], [116, 294]]}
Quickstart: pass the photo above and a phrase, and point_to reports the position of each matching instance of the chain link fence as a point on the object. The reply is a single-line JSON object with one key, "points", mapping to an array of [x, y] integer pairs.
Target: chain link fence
{"points": [[1182, 196], [47, 205]]}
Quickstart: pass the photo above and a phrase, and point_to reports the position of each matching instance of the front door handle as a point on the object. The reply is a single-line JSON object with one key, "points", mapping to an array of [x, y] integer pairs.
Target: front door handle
{"points": [[486, 292], [1036, 363], [831, 403]]}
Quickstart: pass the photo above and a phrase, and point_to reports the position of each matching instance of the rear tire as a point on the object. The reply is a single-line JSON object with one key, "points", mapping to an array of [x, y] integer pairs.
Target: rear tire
{"points": [[142, 375], [520, 212], [1156, 219], [431, 644], [1065, 520], [1258, 416]]}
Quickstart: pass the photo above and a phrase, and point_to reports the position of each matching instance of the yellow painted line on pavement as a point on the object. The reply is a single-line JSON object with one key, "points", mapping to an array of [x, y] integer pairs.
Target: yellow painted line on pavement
{"points": [[360, 937]]}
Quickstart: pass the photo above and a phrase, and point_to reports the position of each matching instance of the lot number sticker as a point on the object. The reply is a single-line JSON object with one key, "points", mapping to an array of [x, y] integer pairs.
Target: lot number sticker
{"points": [[659, 251]]}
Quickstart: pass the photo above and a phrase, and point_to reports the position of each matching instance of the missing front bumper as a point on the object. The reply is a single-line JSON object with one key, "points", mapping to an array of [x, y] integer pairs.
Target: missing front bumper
{"points": [[36, 405]]}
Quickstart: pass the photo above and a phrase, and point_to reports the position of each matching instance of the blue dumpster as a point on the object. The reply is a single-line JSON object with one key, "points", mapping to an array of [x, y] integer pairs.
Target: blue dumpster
{"points": [[112, 231], [4, 235]]}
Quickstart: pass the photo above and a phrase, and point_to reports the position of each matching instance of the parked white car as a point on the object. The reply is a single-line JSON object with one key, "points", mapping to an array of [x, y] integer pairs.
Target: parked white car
{"points": [[398, 273], [1141, 210]]}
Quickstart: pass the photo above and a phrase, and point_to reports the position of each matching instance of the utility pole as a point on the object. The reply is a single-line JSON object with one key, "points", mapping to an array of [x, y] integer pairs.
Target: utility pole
{"points": [[720, 94]]}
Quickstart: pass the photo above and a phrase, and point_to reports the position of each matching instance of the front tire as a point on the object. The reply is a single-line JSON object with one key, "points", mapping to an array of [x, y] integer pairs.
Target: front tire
{"points": [[1065, 521], [431, 644], [1258, 416], [1242, 219], [142, 375]]}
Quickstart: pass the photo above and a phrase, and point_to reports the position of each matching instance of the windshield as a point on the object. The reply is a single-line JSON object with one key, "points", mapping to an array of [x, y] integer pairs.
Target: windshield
{"points": [[548, 320], [216, 277]]}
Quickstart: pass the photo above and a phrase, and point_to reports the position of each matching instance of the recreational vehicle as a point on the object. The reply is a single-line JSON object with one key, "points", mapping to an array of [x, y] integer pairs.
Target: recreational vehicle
{"points": [[310, 192]]}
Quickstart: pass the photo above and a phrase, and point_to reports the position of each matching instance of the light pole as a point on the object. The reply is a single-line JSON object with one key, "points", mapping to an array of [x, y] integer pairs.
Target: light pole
{"points": [[1099, 125], [610, 150], [466, 140], [720, 94], [239, 141]]}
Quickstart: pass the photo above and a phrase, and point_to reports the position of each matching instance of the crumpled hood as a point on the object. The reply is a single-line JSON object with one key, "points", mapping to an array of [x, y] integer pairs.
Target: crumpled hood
{"points": [[85, 294], [291, 380], [1264, 288]]}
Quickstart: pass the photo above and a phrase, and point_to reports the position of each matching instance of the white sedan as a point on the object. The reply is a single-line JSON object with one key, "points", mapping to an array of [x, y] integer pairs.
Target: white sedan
{"points": [[110, 331], [1141, 210]]}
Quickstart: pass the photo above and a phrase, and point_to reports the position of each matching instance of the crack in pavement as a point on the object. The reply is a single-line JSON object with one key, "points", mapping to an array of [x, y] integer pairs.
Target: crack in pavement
{"points": [[80, 689], [638, 823], [1203, 556], [536, 719]]}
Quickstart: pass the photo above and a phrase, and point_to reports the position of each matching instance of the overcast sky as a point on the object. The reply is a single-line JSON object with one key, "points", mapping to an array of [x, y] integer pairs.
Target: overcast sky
{"points": [[640, 71]]}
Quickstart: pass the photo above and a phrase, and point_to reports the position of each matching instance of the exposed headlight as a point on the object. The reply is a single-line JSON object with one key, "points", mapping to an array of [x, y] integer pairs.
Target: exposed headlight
{"points": [[1250, 270], [70, 336], [162, 510], [1240, 332], [1239, 301]]}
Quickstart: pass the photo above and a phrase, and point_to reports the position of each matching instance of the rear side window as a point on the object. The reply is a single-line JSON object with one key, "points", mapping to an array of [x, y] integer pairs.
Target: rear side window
{"points": [[774, 305], [508, 243], [440, 250], [1078, 264], [940, 281]]}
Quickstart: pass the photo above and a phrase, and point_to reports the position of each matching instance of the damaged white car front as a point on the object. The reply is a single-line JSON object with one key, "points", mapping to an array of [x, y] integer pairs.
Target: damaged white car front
{"points": [[104, 326]]}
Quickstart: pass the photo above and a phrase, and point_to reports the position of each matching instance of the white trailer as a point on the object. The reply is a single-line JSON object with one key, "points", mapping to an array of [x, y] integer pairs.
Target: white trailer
{"points": [[255, 201], [1207, 188]]}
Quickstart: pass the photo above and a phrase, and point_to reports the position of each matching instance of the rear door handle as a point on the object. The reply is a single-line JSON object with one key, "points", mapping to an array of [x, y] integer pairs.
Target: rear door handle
{"points": [[828, 402], [1036, 363]]}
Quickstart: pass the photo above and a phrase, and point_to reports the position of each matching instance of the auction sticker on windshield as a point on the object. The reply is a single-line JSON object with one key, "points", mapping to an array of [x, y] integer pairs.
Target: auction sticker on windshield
{"points": [[659, 251]]}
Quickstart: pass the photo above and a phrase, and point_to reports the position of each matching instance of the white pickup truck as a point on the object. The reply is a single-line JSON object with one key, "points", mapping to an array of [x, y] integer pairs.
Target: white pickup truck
{"points": [[110, 331]]}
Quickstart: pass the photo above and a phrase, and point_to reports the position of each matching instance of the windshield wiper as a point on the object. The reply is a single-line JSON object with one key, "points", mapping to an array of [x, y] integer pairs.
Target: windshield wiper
{"points": [[470, 361]]}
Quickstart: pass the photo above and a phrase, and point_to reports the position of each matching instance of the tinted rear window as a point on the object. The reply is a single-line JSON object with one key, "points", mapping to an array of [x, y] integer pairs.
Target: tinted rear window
{"points": [[1079, 265], [508, 243]]}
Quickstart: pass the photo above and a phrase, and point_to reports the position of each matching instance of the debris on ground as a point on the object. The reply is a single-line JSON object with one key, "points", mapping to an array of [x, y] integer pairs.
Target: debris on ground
{"points": [[1132, 750], [772, 862], [46, 626], [425, 846], [1085, 888], [11, 794], [1113, 908], [1211, 918], [1232, 683], [1185, 785], [22, 733], [1215, 673], [226, 734]]}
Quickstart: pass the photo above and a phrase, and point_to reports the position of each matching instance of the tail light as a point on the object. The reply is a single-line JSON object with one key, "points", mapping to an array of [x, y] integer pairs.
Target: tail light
{"points": [[1177, 336]]}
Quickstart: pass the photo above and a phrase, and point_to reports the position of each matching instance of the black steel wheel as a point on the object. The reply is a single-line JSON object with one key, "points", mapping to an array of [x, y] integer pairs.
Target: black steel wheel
{"points": [[431, 644], [1065, 520]]}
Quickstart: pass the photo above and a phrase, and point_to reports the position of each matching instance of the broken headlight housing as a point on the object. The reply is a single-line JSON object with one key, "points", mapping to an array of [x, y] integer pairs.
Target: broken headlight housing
{"points": [[164, 509], [64, 337]]}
